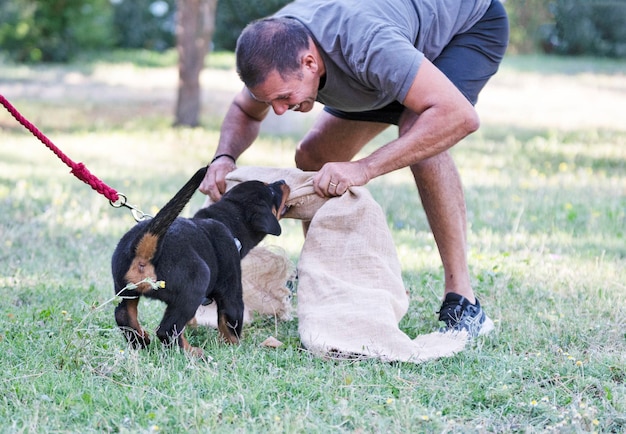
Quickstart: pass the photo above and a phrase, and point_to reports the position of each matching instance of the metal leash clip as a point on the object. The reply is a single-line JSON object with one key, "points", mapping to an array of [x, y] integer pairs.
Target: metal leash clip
{"points": [[138, 215]]}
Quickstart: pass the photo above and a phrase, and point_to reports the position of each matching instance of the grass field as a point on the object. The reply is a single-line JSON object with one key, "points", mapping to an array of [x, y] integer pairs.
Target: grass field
{"points": [[545, 182]]}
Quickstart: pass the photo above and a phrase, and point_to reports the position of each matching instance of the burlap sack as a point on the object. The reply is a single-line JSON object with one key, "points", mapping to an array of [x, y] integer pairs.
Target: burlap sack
{"points": [[351, 296], [266, 272]]}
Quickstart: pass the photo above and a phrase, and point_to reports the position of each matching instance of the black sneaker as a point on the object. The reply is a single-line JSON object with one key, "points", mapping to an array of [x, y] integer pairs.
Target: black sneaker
{"points": [[459, 314]]}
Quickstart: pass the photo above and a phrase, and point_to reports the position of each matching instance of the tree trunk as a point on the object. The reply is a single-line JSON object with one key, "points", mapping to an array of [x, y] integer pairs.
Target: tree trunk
{"points": [[194, 33]]}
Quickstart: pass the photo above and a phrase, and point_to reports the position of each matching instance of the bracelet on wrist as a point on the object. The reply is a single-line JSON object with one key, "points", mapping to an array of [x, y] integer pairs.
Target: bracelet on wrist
{"points": [[223, 155]]}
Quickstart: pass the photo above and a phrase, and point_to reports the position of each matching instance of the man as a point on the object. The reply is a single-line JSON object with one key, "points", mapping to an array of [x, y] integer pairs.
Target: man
{"points": [[417, 64]]}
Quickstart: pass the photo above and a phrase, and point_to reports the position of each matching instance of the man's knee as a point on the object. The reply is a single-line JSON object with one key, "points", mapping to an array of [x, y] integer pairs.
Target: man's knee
{"points": [[334, 139], [306, 158]]}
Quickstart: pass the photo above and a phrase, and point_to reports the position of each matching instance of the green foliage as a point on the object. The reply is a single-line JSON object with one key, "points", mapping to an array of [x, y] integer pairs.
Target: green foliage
{"points": [[57, 30], [527, 20], [573, 27], [234, 15], [54, 30], [144, 24], [590, 27]]}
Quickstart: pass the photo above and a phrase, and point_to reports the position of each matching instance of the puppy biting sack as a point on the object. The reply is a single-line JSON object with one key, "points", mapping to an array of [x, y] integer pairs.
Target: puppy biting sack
{"points": [[351, 296], [198, 258]]}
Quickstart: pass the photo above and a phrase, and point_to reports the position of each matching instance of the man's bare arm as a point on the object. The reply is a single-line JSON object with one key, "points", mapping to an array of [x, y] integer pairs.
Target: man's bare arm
{"points": [[239, 129]]}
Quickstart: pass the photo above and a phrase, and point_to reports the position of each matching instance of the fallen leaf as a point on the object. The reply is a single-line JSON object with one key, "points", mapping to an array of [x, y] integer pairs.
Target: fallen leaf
{"points": [[271, 342]]}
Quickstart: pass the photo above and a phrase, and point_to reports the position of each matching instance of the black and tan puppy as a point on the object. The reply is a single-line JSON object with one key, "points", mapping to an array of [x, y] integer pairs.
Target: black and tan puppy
{"points": [[198, 259]]}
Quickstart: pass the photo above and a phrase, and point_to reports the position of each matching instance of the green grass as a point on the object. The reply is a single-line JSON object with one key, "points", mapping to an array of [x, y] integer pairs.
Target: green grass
{"points": [[547, 211]]}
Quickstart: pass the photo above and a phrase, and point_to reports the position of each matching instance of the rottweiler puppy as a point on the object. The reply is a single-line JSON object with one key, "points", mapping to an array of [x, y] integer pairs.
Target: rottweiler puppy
{"points": [[198, 259]]}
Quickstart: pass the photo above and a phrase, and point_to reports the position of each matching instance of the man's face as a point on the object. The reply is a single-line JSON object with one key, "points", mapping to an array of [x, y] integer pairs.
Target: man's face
{"points": [[297, 92]]}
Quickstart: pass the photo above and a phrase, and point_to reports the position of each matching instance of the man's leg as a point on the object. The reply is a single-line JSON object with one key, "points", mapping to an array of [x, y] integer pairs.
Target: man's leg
{"points": [[469, 60], [334, 139], [440, 189], [439, 185], [441, 192]]}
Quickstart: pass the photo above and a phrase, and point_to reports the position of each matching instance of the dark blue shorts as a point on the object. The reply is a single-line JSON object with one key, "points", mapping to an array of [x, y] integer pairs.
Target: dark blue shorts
{"points": [[469, 60]]}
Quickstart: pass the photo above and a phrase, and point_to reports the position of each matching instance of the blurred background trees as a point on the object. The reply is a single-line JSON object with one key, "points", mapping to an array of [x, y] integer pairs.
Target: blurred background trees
{"points": [[56, 30], [569, 27], [195, 26], [34, 31], [146, 24], [589, 28]]}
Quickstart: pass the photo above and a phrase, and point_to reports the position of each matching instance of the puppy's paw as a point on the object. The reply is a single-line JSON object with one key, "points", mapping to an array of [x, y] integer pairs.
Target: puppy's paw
{"points": [[229, 338], [137, 339], [228, 332]]}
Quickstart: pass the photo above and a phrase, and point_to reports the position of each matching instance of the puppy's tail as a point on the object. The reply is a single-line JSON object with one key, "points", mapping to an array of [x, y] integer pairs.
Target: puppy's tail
{"points": [[163, 220], [141, 266]]}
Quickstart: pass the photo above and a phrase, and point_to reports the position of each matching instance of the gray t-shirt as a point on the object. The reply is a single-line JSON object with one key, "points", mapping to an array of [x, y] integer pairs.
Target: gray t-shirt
{"points": [[372, 49]]}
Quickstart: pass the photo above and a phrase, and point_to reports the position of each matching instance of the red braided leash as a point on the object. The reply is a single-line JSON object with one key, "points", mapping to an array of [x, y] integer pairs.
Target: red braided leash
{"points": [[78, 169]]}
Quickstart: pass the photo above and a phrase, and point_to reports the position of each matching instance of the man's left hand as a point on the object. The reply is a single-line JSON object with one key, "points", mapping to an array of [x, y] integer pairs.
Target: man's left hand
{"points": [[334, 179]]}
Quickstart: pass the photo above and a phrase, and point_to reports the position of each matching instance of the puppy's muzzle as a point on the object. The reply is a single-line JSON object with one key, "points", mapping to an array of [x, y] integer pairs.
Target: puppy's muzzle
{"points": [[281, 193]]}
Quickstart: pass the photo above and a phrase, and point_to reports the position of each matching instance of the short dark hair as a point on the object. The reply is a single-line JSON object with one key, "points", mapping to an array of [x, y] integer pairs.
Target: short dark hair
{"points": [[268, 44]]}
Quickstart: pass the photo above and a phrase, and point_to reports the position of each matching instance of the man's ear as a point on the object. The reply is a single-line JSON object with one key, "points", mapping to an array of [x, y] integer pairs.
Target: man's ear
{"points": [[310, 62]]}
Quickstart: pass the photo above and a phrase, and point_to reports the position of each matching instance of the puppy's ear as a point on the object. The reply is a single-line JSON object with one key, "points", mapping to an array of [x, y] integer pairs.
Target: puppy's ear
{"points": [[267, 224]]}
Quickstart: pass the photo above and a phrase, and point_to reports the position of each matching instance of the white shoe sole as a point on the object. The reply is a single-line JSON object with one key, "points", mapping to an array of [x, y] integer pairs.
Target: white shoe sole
{"points": [[487, 327]]}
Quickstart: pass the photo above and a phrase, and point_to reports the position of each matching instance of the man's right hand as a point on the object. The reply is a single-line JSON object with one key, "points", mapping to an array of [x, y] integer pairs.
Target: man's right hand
{"points": [[214, 182]]}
